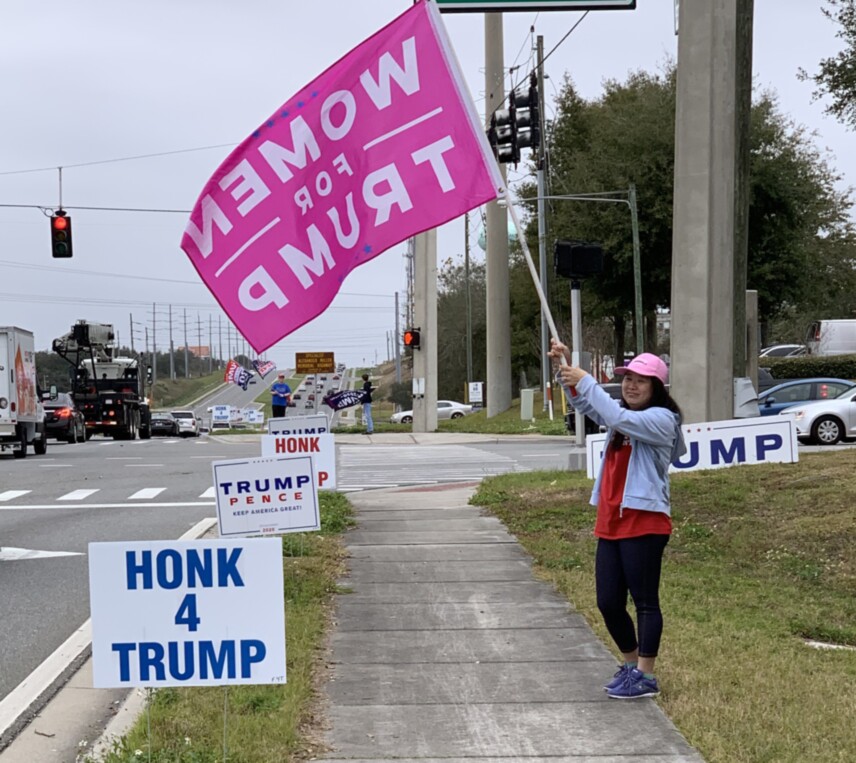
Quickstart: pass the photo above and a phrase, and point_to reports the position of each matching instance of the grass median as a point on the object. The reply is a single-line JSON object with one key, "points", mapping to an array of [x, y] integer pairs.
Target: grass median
{"points": [[762, 560], [268, 722]]}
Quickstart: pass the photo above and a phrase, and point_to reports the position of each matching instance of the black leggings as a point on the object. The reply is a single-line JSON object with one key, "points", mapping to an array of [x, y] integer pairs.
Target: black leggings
{"points": [[631, 564]]}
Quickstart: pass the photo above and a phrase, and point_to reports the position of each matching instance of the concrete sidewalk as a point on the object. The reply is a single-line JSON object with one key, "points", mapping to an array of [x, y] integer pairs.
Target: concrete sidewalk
{"points": [[449, 648]]}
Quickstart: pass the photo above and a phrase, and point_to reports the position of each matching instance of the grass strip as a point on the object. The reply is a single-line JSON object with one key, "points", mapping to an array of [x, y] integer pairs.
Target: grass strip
{"points": [[762, 559], [264, 723]]}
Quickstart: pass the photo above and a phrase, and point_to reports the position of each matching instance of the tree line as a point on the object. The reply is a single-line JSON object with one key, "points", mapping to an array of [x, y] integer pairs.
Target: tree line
{"points": [[802, 241]]}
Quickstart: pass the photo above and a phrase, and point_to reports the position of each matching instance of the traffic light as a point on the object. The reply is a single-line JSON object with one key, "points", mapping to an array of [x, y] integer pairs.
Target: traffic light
{"points": [[61, 234], [518, 126], [412, 338]]}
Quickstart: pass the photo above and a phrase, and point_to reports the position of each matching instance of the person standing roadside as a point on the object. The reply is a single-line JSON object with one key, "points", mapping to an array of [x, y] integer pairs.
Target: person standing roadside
{"points": [[281, 396], [367, 404], [631, 493]]}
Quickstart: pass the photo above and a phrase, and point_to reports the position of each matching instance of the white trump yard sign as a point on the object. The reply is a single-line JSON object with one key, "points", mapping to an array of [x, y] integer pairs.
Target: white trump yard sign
{"points": [[717, 444], [315, 424], [187, 613], [266, 496], [321, 448]]}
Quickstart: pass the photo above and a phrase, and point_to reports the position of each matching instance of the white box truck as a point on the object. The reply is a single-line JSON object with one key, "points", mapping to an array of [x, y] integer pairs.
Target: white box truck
{"points": [[22, 418], [835, 337]]}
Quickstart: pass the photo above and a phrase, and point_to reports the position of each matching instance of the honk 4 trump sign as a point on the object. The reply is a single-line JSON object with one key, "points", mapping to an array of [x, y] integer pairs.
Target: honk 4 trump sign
{"points": [[383, 145], [187, 613]]}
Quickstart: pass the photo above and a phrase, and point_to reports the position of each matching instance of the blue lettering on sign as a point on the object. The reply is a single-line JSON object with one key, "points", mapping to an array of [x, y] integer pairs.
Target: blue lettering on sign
{"points": [[300, 430], [183, 659], [175, 568], [692, 453], [738, 449], [765, 442]]}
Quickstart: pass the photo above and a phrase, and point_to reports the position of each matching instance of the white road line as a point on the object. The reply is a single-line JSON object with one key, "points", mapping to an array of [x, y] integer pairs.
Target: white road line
{"points": [[10, 554], [210, 493], [146, 494], [9, 495], [77, 495], [54, 506]]}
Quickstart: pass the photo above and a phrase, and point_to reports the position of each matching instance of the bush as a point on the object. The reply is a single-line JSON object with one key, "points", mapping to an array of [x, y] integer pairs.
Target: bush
{"points": [[836, 366]]}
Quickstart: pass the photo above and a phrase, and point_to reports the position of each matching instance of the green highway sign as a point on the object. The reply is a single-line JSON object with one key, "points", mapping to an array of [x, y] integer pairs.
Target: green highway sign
{"points": [[474, 6]]}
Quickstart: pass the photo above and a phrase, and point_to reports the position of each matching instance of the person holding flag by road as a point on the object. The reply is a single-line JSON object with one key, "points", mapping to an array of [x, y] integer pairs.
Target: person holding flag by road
{"points": [[281, 394], [631, 493]]}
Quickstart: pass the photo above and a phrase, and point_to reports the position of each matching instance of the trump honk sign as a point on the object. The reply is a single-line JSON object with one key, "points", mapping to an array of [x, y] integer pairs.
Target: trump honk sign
{"points": [[383, 145]]}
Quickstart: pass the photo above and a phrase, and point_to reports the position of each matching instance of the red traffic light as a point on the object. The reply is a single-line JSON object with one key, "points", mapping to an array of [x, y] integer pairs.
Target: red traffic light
{"points": [[61, 234]]}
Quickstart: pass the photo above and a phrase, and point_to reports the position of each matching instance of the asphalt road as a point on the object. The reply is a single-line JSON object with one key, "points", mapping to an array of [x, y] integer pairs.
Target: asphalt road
{"points": [[96, 491]]}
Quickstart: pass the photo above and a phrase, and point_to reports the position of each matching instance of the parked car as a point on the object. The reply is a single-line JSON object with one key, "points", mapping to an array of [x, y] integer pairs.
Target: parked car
{"points": [[798, 391], [164, 424], [783, 351], [188, 424], [826, 422], [63, 419], [446, 409]]}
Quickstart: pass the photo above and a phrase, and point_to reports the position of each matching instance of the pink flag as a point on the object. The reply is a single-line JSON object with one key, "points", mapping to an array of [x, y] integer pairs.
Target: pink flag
{"points": [[383, 145]]}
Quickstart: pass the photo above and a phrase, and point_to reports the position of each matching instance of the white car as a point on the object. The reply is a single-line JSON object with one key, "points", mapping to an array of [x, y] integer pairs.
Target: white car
{"points": [[825, 422], [446, 409], [188, 424]]}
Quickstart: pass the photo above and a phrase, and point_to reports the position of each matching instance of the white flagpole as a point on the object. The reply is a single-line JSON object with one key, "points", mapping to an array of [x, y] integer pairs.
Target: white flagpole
{"points": [[521, 237]]}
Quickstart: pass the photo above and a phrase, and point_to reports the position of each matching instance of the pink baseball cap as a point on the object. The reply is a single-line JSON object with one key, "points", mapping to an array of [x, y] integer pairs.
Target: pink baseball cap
{"points": [[646, 364]]}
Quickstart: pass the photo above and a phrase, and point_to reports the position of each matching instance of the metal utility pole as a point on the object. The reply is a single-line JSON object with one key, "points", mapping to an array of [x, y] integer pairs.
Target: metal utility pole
{"points": [[220, 338], [186, 349], [154, 344], [469, 298], [637, 270], [131, 317], [497, 277], [171, 348], [210, 344], [546, 387], [397, 342]]}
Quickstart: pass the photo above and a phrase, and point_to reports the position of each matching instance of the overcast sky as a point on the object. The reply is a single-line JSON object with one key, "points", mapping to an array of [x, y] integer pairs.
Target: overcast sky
{"points": [[90, 85]]}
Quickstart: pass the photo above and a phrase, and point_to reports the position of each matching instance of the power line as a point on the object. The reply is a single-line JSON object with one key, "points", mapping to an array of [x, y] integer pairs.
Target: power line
{"points": [[120, 159]]}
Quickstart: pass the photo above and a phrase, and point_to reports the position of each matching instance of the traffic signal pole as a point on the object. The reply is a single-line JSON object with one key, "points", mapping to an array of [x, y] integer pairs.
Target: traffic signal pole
{"points": [[546, 386], [425, 316]]}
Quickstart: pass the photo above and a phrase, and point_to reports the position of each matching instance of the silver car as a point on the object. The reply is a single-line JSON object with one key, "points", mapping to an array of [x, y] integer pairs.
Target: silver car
{"points": [[825, 422], [188, 424], [446, 409]]}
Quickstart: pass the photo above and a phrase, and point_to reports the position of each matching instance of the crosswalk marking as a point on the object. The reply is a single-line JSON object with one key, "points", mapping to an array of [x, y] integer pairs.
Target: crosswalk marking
{"points": [[210, 493], [10, 495], [146, 494], [77, 495]]}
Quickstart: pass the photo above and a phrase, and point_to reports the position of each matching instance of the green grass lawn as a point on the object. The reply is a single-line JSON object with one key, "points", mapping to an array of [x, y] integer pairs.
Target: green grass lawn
{"points": [[762, 559]]}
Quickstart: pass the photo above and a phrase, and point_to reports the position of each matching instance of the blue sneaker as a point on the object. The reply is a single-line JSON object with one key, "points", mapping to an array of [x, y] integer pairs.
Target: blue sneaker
{"points": [[618, 679], [635, 686]]}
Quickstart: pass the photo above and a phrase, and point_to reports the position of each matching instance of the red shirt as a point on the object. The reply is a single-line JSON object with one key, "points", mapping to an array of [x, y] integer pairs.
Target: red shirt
{"points": [[612, 522]]}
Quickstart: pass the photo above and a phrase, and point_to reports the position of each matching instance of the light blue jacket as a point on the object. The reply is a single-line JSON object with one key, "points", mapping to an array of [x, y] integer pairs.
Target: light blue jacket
{"points": [[655, 437]]}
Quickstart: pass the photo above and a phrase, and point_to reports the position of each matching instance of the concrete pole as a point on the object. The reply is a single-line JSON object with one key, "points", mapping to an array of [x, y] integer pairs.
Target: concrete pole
{"points": [[497, 280], [397, 341], [171, 348], [186, 350], [154, 343], [704, 210], [469, 300], [425, 318]]}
